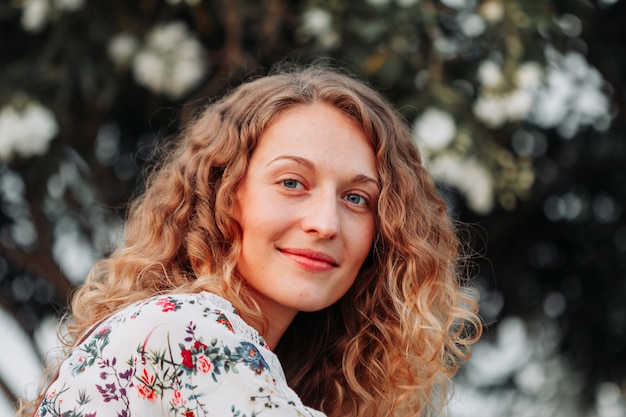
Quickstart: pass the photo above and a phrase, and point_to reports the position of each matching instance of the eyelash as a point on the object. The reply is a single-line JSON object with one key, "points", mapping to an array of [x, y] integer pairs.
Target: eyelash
{"points": [[363, 200]]}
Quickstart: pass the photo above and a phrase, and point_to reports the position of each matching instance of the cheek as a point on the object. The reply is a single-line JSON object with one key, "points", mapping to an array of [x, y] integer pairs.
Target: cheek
{"points": [[237, 204], [263, 223], [363, 240]]}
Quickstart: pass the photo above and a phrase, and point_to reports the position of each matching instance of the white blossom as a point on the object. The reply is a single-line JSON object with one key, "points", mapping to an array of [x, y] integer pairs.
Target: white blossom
{"points": [[185, 70], [27, 132], [570, 24], [72, 250], [518, 104], [167, 36], [511, 351], [468, 176], [150, 70], [609, 400], [435, 129], [12, 187], [491, 110], [490, 74], [492, 11], [495, 108], [528, 75], [553, 101], [472, 25], [42, 127], [171, 62], [34, 14], [316, 21], [23, 232], [122, 47], [447, 47], [572, 95], [75, 255]]}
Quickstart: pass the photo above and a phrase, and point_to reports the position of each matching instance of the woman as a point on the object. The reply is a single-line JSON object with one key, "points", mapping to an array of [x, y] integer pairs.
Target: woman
{"points": [[293, 220]]}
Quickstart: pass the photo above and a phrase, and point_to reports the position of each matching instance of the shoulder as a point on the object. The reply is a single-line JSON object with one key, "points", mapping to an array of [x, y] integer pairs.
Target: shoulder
{"points": [[173, 353], [172, 308], [160, 317], [168, 303]]}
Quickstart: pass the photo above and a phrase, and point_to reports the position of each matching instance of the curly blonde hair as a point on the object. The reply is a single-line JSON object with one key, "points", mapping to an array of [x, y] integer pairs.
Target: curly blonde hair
{"points": [[392, 344]]}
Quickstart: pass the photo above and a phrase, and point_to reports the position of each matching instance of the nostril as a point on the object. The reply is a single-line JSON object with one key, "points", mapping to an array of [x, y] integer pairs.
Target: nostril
{"points": [[322, 219]]}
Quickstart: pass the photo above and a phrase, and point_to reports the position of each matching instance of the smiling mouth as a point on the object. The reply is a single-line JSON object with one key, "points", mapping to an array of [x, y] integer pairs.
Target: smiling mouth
{"points": [[310, 259]]}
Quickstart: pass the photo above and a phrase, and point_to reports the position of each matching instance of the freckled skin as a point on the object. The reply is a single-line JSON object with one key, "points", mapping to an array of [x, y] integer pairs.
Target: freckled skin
{"points": [[307, 211]]}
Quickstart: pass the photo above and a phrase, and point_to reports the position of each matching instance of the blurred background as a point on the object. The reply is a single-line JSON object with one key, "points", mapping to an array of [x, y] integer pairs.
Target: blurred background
{"points": [[518, 106]]}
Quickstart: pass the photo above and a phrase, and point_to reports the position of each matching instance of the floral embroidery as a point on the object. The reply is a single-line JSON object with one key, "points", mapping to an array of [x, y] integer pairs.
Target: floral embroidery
{"points": [[203, 364], [89, 353], [168, 304], [252, 357], [187, 359], [177, 399], [176, 369], [144, 387], [221, 319]]}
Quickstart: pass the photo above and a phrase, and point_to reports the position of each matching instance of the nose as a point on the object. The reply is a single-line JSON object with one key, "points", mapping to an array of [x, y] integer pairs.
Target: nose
{"points": [[321, 216]]}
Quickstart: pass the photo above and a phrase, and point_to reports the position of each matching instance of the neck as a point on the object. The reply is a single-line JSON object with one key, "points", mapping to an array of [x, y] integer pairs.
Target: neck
{"points": [[278, 320]]}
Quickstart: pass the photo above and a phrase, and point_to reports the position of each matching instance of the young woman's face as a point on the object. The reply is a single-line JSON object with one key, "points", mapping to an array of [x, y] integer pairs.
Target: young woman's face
{"points": [[307, 208]]}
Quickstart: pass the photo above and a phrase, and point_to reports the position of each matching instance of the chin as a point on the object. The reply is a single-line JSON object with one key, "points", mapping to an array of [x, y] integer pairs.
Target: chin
{"points": [[313, 306]]}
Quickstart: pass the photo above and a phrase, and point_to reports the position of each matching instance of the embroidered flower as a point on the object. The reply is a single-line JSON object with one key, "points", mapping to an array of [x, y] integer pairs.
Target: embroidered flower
{"points": [[156, 372], [167, 304], [204, 364], [221, 319], [177, 400], [187, 358], [147, 379], [144, 388], [51, 394], [146, 392], [103, 332], [252, 357], [199, 346], [79, 365]]}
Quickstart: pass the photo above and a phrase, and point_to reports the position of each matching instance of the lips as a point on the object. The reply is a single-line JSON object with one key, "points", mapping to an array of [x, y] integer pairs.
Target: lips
{"points": [[310, 259]]}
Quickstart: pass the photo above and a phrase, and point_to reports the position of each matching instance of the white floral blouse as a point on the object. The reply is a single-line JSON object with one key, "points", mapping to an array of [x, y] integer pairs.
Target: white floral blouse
{"points": [[186, 355]]}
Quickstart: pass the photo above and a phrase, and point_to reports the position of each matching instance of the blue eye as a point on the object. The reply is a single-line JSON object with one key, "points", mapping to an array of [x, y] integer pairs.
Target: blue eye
{"points": [[291, 184], [356, 199]]}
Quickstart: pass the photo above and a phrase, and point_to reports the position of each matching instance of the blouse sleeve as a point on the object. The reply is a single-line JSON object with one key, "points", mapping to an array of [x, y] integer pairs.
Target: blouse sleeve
{"points": [[171, 356]]}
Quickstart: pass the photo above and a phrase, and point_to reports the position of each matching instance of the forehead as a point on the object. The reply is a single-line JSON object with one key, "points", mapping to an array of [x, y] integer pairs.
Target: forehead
{"points": [[306, 121], [315, 131]]}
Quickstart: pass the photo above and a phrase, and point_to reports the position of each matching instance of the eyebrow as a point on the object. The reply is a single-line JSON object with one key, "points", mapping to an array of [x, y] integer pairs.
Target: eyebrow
{"points": [[365, 179], [360, 178], [299, 160]]}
